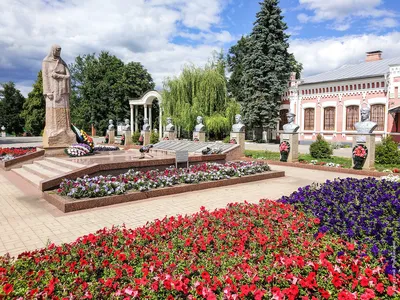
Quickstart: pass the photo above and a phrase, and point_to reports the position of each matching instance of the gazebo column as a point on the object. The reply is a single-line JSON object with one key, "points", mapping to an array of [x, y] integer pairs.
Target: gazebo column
{"points": [[160, 127], [145, 111], [136, 118], [150, 118], [131, 117]]}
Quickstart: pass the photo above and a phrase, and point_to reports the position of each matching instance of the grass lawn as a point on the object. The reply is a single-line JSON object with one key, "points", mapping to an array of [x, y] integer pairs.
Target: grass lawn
{"points": [[344, 161]]}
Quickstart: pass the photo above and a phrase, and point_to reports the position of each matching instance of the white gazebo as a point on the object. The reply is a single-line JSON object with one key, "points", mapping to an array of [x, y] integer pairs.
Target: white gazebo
{"points": [[146, 101]]}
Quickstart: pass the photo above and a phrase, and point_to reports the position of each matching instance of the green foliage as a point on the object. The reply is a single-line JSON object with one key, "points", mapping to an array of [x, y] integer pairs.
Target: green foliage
{"points": [[200, 92], [296, 66], [34, 108], [154, 138], [387, 152], [135, 138], [12, 103], [320, 148], [266, 67], [102, 86], [235, 66]]}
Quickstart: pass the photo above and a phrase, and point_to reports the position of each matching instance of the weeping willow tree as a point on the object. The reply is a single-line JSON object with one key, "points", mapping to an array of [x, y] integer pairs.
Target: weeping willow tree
{"points": [[199, 92]]}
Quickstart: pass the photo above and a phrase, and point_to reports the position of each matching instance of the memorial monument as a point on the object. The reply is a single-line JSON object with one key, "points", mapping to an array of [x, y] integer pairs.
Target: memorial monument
{"points": [[111, 132], [3, 131], [169, 130], [238, 133], [199, 133], [366, 139], [146, 132], [57, 133], [289, 146]]}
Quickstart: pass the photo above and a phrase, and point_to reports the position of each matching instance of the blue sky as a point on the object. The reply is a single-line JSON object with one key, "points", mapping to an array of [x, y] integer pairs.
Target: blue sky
{"points": [[164, 35]]}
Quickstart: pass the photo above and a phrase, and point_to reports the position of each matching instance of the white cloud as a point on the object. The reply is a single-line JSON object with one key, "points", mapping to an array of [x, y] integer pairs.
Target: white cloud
{"points": [[326, 54], [341, 12], [139, 30], [384, 23]]}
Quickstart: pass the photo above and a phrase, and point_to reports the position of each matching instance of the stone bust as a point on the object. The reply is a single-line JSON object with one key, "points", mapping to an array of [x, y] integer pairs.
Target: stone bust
{"points": [[3, 128], [238, 126], [110, 125], [146, 126], [200, 126], [127, 126], [290, 127], [365, 126], [170, 127]]}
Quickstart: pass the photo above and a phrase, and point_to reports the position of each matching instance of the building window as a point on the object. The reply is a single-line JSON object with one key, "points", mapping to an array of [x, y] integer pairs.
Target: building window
{"points": [[378, 116], [363, 86], [329, 118], [323, 90], [368, 85], [352, 116], [334, 89], [359, 86], [309, 119], [330, 89], [382, 84], [283, 118], [373, 85]]}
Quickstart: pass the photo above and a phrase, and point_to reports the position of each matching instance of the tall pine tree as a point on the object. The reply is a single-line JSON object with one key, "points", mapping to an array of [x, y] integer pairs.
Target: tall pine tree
{"points": [[266, 67]]}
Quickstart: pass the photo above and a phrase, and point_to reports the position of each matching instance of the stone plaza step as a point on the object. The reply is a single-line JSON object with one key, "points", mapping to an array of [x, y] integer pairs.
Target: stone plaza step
{"points": [[53, 166], [29, 176], [64, 162], [40, 171]]}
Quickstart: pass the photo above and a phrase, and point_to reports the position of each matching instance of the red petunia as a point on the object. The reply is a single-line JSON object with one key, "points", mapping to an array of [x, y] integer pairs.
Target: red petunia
{"points": [[8, 288]]}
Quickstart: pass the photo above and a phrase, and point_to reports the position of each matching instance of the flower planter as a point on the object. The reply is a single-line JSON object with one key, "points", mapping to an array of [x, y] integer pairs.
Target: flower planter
{"points": [[358, 162], [284, 156]]}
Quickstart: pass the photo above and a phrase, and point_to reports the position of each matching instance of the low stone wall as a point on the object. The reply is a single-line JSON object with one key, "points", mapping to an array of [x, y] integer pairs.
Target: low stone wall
{"points": [[66, 204], [7, 165], [140, 164], [323, 168]]}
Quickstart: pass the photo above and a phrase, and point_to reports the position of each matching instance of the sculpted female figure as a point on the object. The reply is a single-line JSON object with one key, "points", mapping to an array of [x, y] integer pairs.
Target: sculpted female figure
{"points": [[57, 89]]}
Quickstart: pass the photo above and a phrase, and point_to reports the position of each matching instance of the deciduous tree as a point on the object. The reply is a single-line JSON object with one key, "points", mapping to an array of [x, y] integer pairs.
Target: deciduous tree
{"points": [[34, 108], [12, 103]]}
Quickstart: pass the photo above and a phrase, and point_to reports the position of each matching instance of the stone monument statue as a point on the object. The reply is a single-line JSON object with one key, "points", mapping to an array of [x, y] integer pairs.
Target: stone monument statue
{"points": [[200, 126], [365, 126], [127, 126], [290, 127], [110, 125], [238, 126], [56, 90], [170, 127], [146, 126]]}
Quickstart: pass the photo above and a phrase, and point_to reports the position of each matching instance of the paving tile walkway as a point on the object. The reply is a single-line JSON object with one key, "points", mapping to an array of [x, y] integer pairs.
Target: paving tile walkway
{"points": [[28, 222]]}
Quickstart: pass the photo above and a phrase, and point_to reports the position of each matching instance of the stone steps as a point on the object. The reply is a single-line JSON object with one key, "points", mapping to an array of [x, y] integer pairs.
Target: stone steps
{"points": [[48, 167]]}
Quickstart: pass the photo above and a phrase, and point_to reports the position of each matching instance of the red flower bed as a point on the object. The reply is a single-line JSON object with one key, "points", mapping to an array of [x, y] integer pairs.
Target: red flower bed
{"points": [[16, 151], [244, 251]]}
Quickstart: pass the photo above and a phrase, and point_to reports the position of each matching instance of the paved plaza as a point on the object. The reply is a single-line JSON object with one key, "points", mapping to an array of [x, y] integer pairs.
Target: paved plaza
{"points": [[28, 222]]}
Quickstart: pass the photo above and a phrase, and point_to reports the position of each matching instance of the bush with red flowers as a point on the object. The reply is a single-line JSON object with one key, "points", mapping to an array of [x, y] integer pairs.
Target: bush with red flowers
{"points": [[11, 153], [245, 251]]}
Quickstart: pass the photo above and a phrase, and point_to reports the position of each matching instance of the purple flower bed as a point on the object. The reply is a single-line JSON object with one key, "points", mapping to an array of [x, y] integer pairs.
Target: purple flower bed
{"points": [[364, 210]]}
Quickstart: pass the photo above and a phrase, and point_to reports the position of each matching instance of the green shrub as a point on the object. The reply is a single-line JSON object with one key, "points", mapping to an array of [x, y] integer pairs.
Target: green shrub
{"points": [[227, 139], [135, 138], [154, 138], [387, 152], [320, 148]]}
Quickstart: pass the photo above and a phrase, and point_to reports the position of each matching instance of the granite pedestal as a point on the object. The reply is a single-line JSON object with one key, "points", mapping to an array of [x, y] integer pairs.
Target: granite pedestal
{"points": [[200, 135], [128, 137], [171, 135], [239, 137], [146, 137], [111, 136], [368, 140], [293, 140]]}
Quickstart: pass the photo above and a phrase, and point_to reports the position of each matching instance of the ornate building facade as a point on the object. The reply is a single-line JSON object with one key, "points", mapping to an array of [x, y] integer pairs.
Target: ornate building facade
{"points": [[330, 103]]}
